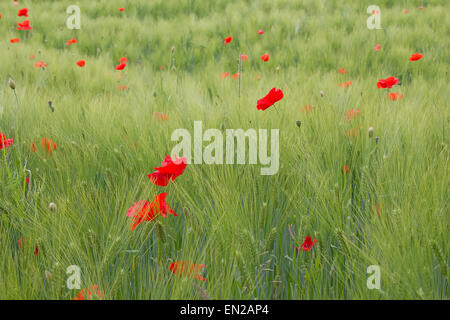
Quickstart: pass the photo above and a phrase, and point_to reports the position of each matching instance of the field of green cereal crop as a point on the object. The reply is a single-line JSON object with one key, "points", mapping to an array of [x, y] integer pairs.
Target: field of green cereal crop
{"points": [[354, 207]]}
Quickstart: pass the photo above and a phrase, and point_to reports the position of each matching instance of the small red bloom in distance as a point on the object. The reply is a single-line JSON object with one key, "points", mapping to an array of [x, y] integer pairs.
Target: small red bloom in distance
{"points": [[416, 56], [227, 40], [307, 244], [81, 63], [187, 269], [387, 83], [265, 57]]}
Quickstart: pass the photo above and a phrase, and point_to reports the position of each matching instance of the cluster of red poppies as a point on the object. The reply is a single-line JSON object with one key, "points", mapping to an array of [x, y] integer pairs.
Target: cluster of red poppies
{"points": [[25, 25]]}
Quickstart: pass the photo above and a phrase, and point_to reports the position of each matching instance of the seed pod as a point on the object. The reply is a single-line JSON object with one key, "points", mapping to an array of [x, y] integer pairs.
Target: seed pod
{"points": [[52, 206], [12, 84], [298, 123], [371, 131]]}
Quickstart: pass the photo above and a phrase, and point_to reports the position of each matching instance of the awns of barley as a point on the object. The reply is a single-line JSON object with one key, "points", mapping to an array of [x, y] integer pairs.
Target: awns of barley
{"points": [[160, 232], [440, 257], [271, 239], [343, 242]]}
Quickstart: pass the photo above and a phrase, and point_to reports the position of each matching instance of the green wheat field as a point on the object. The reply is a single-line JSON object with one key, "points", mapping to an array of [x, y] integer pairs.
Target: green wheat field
{"points": [[362, 173]]}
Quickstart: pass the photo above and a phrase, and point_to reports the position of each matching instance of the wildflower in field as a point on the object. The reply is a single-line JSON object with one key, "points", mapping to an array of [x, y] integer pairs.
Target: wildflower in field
{"points": [[25, 25], [416, 56], [227, 40], [121, 9], [421, 7], [351, 114], [170, 169], [14, 40], [342, 70], [144, 210], [395, 96], [123, 60], [236, 75], [387, 83], [160, 116], [48, 145], [20, 243], [307, 108], [40, 64], [23, 12], [90, 293], [405, 11], [353, 133], [5, 143], [36, 250], [375, 12], [272, 97], [377, 47], [378, 209], [187, 269], [224, 75], [307, 244], [265, 57], [81, 63], [346, 169], [121, 66], [32, 56], [260, 31], [121, 87], [69, 42], [244, 57], [346, 84]]}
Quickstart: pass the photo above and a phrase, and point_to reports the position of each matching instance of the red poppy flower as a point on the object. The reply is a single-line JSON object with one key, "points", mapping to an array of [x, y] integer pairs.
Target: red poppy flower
{"points": [[236, 75], [224, 75], [416, 56], [387, 83], [90, 293], [273, 96], [421, 7], [81, 63], [14, 40], [307, 244], [40, 64], [5, 143], [351, 114], [345, 85], [36, 250], [121, 87], [187, 269], [32, 56], [123, 60], [25, 25], [170, 169], [395, 96], [121, 66], [69, 42], [144, 210], [20, 242], [160, 116], [378, 209], [377, 47], [244, 57], [48, 144], [405, 11], [260, 31], [346, 169], [353, 133], [265, 57], [228, 40], [342, 70], [23, 12], [121, 9]]}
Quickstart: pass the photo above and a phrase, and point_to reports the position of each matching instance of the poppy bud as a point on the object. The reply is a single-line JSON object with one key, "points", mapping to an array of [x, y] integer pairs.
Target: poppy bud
{"points": [[52, 206], [371, 131], [12, 84], [322, 93], [48, 275], [173, 49], [298, 123]]}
